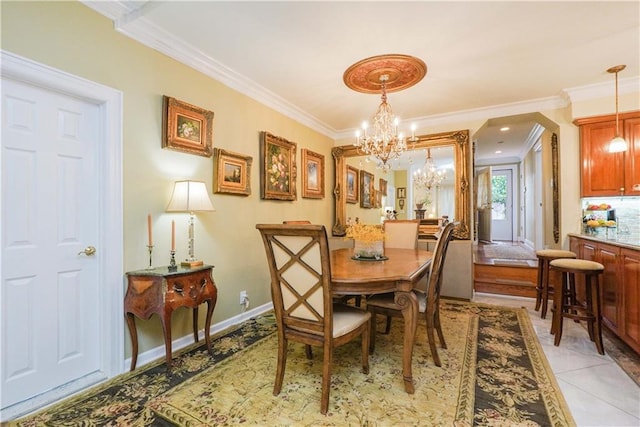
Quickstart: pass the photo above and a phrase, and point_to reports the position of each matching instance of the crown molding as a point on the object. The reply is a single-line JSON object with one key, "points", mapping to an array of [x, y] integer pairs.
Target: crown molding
{"points": [[515, 108], [602, 90], [130, 21]]}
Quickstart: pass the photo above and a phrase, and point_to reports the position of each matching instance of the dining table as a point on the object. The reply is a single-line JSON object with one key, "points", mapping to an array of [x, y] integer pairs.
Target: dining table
{"points": [[399, 271]]}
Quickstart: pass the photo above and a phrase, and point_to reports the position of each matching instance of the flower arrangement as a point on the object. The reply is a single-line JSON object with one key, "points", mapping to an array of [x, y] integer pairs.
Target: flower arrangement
{"points": [[365, 232], [368, 241]]}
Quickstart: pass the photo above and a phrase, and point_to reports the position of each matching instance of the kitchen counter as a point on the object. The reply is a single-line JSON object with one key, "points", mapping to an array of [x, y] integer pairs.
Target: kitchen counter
{"points": [[630, 241]]}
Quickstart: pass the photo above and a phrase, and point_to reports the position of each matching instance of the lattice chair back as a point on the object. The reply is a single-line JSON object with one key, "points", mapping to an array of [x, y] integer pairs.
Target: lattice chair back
{"points": [[299, 263]]}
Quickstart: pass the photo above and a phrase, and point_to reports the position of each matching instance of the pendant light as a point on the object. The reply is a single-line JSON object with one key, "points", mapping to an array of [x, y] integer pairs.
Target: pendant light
{"points": [[617, 144]]}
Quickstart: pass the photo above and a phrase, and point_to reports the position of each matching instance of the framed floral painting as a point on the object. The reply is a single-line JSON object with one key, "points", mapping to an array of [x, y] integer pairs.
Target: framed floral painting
{"points": [[367, 196], [352, 185], [312, 175], [277, 168], [231, 172], [186, 128]]}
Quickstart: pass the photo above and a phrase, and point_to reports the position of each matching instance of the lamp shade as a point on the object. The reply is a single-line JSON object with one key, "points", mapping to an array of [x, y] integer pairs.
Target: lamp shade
{"points": [[190, 196], [617, 145]]}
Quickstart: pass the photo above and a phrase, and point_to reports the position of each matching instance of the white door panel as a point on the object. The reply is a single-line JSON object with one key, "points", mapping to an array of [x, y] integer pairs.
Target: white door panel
{"points": [[49, 198], [502, 210]]}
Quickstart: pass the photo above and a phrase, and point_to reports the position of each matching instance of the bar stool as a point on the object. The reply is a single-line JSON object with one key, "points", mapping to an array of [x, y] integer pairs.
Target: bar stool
{"points": [[565, 303], [543, 290]]}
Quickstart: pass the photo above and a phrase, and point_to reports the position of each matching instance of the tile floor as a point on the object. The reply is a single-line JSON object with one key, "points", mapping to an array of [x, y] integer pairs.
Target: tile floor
{"points": [[597, 391]]}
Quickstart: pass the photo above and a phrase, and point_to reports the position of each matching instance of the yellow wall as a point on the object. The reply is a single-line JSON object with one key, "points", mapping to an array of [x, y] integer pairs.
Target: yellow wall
{"points": [[71, 37]]}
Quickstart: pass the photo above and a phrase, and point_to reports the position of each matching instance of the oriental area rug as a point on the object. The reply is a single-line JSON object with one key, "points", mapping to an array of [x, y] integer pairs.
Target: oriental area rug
{"points": [[493, 373]]}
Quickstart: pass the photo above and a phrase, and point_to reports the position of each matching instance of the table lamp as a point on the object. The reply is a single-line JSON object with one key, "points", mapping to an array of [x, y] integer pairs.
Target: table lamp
{"points": [[190, 196]]}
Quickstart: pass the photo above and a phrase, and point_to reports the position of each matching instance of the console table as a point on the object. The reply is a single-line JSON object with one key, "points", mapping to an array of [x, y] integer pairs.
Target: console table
{"points": [[161, 291]]}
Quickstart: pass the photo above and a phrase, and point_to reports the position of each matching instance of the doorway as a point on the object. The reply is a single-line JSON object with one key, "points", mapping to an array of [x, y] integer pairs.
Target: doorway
{"points": [[502, 203], [61, 300]]}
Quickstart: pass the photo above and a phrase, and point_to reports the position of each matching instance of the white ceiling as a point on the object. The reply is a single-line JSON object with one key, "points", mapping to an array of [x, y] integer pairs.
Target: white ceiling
{"points": [[484, 59]]}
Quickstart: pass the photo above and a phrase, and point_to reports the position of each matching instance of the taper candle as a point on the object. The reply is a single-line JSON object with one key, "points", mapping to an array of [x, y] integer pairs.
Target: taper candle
{"points": [[149, 229], [173, 235]]}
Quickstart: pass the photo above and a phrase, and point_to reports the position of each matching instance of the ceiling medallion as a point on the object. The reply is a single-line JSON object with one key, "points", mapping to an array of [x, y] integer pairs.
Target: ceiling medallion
{"points": [[382, 74], [403, 71]]}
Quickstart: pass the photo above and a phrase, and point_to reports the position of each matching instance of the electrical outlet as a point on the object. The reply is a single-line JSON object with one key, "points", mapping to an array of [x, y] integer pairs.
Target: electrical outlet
{"points": [[243, 297]]}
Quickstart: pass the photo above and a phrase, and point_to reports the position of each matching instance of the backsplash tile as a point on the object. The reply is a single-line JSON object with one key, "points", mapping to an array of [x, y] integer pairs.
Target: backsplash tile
{"points": [[627, 211]]}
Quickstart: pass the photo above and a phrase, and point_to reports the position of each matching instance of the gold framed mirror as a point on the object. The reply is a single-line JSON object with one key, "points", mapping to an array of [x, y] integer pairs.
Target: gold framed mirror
{"points": [[459, 140]]}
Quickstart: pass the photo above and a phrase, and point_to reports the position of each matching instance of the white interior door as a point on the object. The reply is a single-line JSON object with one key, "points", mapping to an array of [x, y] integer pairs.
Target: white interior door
{"points": [[57, 296], [49, 285], [502, 204]]}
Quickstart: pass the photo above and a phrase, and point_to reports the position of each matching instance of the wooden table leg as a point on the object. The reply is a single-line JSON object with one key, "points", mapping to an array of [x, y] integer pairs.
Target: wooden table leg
{"points": [[166, 331], [195, 324], [131, 323], [207, 324], [408, 303]]}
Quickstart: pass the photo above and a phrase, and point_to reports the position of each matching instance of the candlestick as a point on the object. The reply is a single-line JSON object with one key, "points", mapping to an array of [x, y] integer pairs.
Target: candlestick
{"points": [[150, 248], [172, 262], [149, 230], [173, 236]]}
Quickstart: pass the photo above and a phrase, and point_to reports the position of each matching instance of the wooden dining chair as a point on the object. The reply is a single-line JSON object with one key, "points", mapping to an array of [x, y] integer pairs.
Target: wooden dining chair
{"points": [[401, 233], [300, 269], [428, 300]]}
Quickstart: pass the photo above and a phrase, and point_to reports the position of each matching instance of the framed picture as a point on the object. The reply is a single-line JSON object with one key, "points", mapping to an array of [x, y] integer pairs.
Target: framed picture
{"points": [[366, 190], [312, 175], [401, 192], [231, 172], [383, 186], [352, 185], [186, 128], [277, 168]]}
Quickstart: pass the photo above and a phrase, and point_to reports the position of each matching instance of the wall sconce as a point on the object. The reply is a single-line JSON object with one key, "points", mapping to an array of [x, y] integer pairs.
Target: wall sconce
{"points": [[190, 196]]}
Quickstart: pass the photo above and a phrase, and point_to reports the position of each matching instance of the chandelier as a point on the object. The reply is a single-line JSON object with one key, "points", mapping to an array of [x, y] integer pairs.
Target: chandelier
{"points": [[429, 177], [382, 142]]}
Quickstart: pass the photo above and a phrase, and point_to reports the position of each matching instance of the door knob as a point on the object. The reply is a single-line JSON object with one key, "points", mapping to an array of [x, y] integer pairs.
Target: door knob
{"points": [[88, 251]]}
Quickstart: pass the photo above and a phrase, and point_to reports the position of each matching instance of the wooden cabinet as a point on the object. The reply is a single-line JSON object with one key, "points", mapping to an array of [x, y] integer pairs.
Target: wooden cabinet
{"points": [[630, 263], [608, 256], [160, 291], [632, 162], [620, 286], [609, 174]]}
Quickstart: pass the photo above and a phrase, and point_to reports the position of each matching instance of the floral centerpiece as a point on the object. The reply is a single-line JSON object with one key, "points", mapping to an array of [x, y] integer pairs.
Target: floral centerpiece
{"points": [[368, 240]]}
